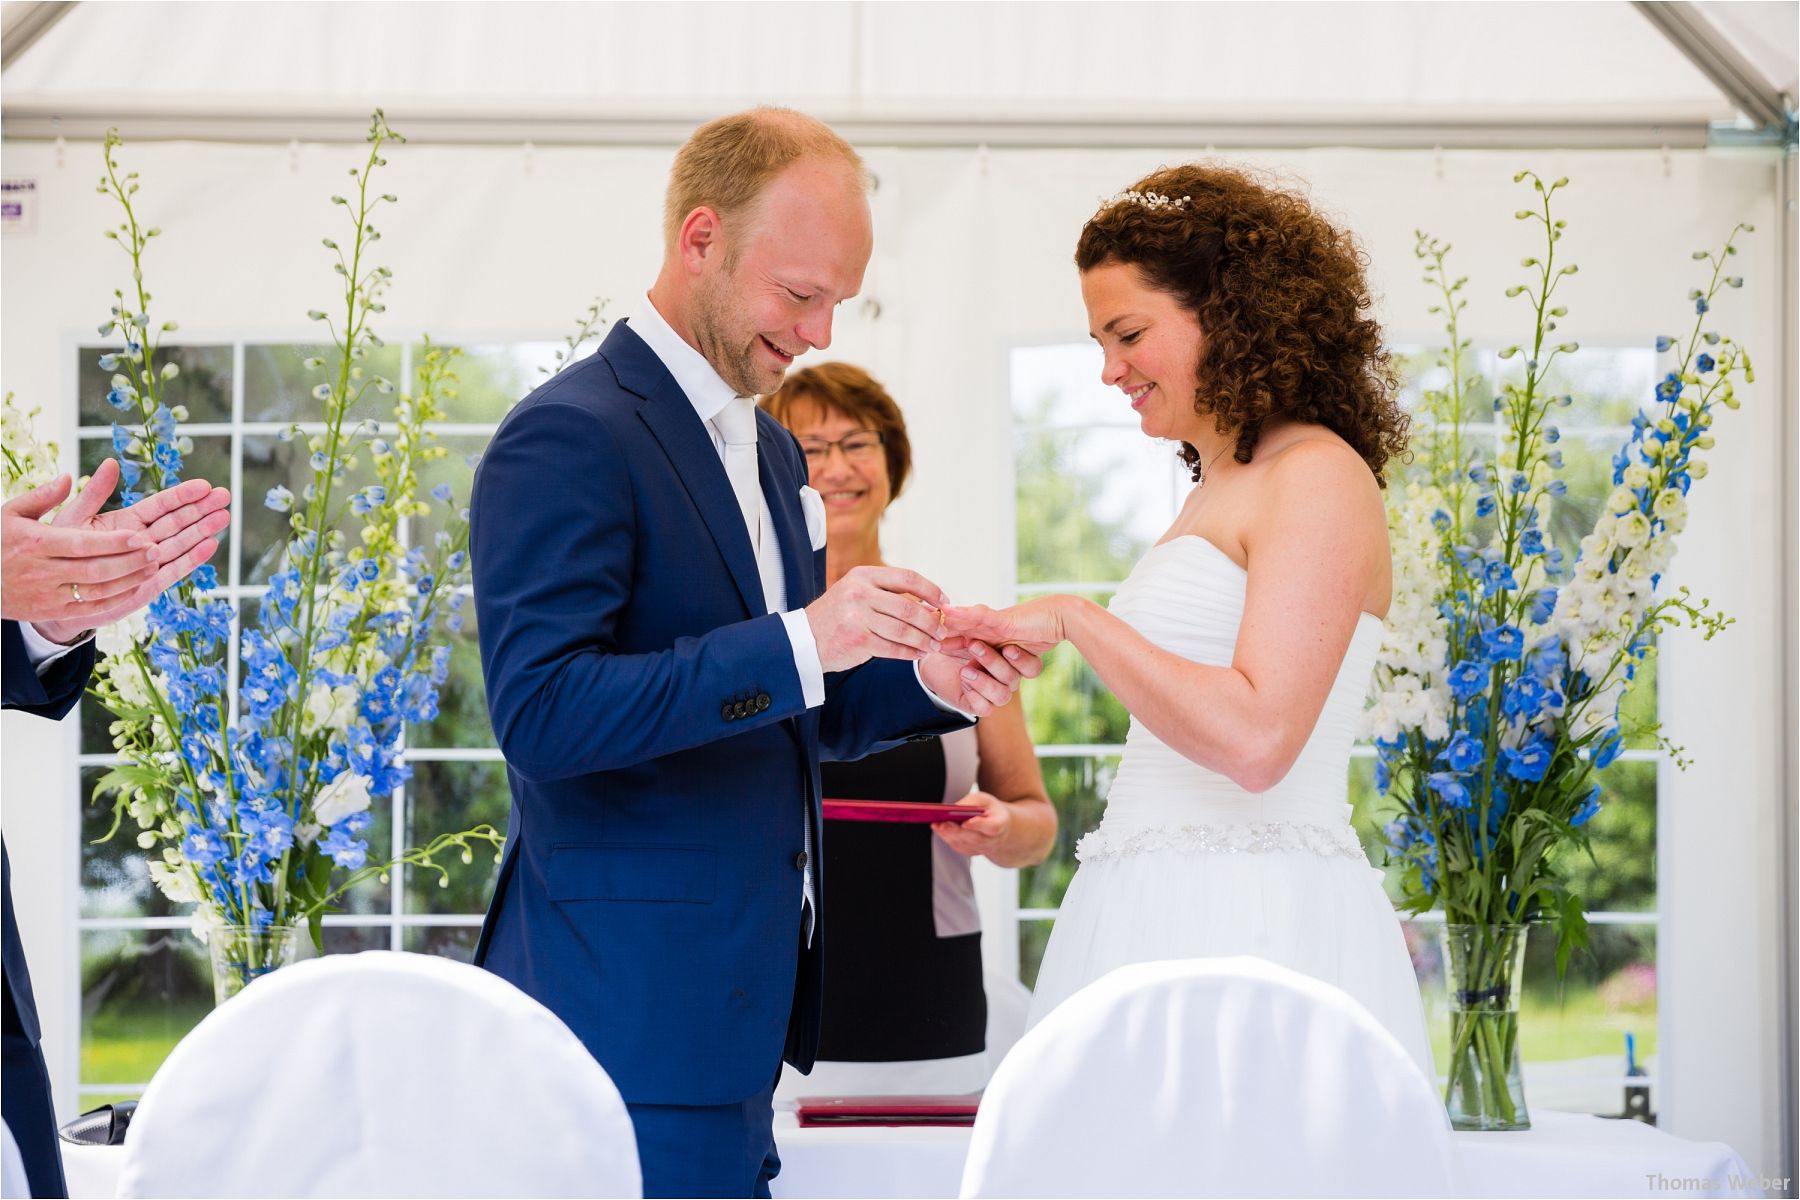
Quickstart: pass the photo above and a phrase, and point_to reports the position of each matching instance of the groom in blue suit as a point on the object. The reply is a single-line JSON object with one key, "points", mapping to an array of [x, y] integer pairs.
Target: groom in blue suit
{"points": [[665, 668]]}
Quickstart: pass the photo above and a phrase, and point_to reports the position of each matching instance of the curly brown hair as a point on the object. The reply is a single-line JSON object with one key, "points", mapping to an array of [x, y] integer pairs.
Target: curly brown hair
{"points": [[1281, 299]]}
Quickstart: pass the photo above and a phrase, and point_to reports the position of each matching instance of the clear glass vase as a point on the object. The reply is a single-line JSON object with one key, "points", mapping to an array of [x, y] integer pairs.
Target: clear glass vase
{"points": [[1485, 969], [243, 953]]}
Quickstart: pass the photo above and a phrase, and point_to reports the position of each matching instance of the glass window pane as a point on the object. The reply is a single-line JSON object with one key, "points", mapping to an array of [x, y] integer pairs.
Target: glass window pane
{"points": [[115, 880], [1609, 383], [141, 991], [203, 384], [277, 387], [1419, 370], [1059, 386], [350, 939], [462, 718], [447, 797], [456, 468], [1077, 787], [1638, 715], [1621, 876], [269, 461], [1068, 705], [210, 460], [450, 941], [1090, 502], [491, 379]]}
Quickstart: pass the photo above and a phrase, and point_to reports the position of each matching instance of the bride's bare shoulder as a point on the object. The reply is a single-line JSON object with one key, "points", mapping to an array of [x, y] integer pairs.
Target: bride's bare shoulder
{"points": [[1314, 475]]}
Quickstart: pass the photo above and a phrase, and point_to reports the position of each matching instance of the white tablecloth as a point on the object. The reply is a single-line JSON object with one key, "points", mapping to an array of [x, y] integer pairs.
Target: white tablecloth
{"points": [[1562, 1154]]}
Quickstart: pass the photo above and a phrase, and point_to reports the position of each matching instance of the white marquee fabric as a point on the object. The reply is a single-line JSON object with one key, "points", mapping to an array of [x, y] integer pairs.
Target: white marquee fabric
{"points": [[1092, 58]]}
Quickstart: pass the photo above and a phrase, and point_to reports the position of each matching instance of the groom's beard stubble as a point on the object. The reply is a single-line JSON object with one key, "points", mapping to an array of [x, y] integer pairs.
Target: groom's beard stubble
{"points": [[735, 363]]}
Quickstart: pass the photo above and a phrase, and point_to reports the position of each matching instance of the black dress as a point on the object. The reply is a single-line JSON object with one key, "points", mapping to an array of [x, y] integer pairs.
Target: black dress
{"points": [[903, 949]]}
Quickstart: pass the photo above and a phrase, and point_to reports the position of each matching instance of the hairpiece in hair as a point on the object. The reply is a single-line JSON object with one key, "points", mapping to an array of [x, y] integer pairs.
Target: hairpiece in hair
{"points": [[1151, 200]]}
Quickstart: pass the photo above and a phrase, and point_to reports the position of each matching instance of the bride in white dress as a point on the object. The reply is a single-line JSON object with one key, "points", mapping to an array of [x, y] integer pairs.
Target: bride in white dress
{"points": [[1234, 319]]}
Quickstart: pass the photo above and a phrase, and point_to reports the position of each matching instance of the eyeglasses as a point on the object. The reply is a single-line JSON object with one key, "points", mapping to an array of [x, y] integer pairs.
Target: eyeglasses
{"points": [[861, 446]]}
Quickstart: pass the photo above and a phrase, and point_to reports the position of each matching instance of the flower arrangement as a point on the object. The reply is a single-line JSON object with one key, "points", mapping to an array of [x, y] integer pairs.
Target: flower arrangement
{"points": [[28, 462], [1497, 690], [252, 795]]}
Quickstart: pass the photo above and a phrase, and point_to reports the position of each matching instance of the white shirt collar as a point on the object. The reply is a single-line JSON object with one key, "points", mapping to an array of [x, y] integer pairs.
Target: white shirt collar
{"points": [[693, 374]]}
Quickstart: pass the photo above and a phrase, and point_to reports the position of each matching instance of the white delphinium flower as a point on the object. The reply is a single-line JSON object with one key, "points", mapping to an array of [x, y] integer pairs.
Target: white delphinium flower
{"points": [[1407, 691], [122, 635], [175, 882], [29, 463], [348, 793], [330, 708]]}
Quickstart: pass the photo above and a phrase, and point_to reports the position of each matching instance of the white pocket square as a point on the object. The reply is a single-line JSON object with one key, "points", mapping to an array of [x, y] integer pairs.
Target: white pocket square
{"points": [[813, 505]]}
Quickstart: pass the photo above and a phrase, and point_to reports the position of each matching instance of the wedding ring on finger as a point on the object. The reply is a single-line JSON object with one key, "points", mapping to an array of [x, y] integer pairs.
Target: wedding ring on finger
{"points": [[75, 591]]}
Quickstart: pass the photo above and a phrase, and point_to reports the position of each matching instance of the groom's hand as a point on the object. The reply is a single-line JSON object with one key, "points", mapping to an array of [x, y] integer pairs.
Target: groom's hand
{"points": [[977, 678], [875, 612]]}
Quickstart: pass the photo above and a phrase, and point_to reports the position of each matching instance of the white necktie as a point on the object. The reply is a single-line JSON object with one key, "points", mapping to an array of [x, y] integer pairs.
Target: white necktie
{"points": [[737, 425]]}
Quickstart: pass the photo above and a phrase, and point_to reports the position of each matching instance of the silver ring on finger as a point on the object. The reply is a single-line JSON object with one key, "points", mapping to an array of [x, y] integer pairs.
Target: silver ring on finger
{"points": [[75, 591]]}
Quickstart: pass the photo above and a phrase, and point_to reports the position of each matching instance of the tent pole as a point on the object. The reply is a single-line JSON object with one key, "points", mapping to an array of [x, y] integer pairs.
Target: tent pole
{"points": [[27, 118], [26, 24], [1690, 32]]}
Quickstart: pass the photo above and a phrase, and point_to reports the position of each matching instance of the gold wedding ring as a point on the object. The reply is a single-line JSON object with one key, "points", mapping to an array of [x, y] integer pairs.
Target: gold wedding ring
{"points": [[75, 591]]}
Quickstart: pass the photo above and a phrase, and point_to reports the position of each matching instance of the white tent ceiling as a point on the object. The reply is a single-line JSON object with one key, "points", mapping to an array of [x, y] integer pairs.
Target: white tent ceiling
{"points": [[915, 71]]}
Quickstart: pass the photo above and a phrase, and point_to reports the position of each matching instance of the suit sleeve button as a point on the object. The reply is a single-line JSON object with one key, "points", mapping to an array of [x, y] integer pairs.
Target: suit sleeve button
{"points": [[800, 861], [726, 712], [762, 702]]}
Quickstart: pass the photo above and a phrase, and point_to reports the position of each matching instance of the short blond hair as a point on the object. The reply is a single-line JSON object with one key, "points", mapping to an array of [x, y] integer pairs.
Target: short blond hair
{"points": [[726, 163]]}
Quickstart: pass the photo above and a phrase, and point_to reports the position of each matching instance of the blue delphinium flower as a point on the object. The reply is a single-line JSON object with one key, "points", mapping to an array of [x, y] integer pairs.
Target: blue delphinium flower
{"points": [[1530, 761], [1590, 805], [441, 493], [1450, 786], [1467, 678], [1542, 605], [344, 849], [1464, 753], [1506, 643], [204, 847]]}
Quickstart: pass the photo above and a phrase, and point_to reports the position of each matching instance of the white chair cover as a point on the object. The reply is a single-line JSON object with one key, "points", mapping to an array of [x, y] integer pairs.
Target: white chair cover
{"points": [[1209, 1077], [1008, 1005], [12, 1168], [381, 1074]]}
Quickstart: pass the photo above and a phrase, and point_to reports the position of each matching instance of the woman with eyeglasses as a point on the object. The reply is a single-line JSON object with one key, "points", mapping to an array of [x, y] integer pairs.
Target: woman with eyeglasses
{"points": [[904, 1009]]}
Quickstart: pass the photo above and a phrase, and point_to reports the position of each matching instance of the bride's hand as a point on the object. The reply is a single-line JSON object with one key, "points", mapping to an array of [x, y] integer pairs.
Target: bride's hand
{"points": [[1036, 625]]}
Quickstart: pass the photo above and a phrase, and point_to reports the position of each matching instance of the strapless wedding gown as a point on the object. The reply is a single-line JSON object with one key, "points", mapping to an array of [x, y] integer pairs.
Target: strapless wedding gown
{"points": [[1187, 864]]}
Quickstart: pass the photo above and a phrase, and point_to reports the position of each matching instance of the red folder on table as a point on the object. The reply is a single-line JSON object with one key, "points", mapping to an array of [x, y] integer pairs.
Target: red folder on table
{"points": [[912, 812], [818, 1111]]}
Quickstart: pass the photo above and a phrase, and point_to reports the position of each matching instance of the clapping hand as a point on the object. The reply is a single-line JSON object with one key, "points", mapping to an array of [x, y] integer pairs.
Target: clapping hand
{"points": [[88, 568]]}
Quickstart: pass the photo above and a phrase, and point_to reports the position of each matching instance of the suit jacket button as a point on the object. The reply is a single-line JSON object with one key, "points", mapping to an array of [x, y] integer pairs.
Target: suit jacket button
{"points": [[762, 702], [743, 708], [727, 713], [800, 861]]}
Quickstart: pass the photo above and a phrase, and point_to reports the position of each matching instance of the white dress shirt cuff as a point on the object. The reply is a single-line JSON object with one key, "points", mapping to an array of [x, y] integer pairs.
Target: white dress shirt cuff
{"points": [[943, 704], [41, 650], [806, 657]]}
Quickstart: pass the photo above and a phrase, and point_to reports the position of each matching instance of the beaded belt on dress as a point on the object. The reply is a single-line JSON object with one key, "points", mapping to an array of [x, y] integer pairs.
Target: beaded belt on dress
{"points": [[1261, 837]]}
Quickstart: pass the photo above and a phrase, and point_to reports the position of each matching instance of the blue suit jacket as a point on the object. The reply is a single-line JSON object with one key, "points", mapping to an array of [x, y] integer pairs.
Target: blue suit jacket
{"points": [[51, 696], [663, 763]]}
